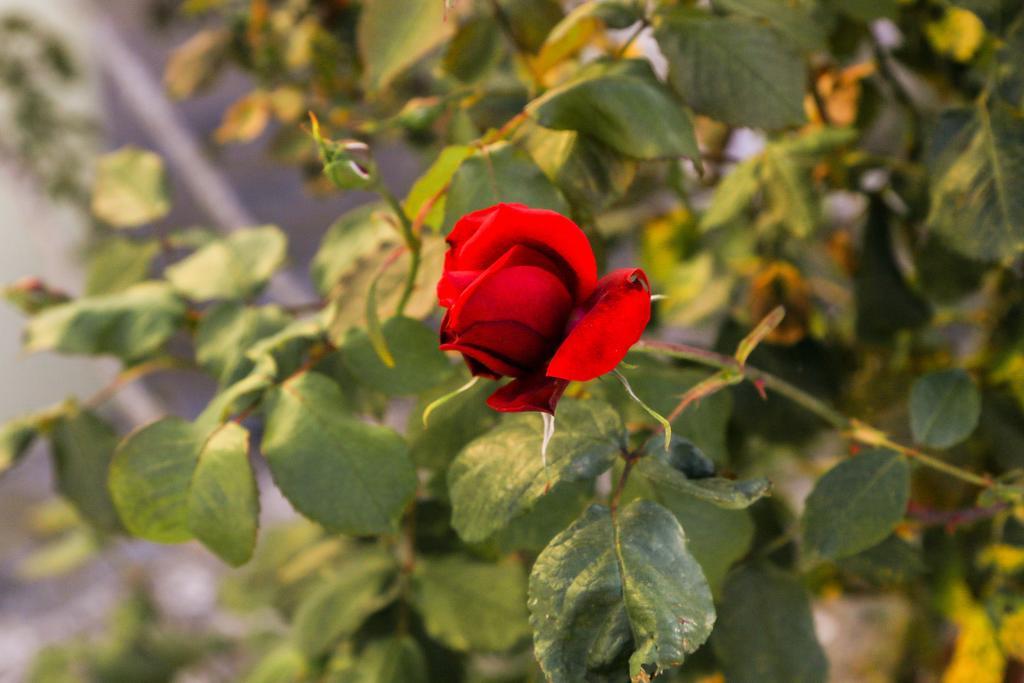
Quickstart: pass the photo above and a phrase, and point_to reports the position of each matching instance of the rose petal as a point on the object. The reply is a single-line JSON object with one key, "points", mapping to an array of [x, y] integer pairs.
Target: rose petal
{"points": [[453, 283], [527, 295], [482, 237], [612, 321], [503, 346], [535, 392]]}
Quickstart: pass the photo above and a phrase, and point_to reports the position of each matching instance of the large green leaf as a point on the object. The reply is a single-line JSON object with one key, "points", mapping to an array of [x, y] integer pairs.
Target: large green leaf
{"points": [[418, 364], [130, 324], [470, 605], [150, 476], [733, 69], [795, 20], [975, 202], [235, 267], [856, 504], [118, 263], [223, 500], [227, 331], [348, 475], [398, 659], [83, 445], [499, 173], [500, 475], [172, 480], [131, 188], [338, 607], [608, 586], [623, 105], [393, 35], [725, 493], [765, 630], [944, 408], [717, 537]]}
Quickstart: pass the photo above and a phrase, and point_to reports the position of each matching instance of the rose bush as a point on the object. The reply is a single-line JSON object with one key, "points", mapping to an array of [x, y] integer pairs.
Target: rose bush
{"points": [[854, 163], [524, 301]]}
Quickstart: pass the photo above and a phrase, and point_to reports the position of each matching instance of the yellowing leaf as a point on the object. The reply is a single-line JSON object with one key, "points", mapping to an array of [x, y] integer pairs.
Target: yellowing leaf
{"points": [[1011, 634], [131, 188], [958, 34], [246, 119], [1005, 558], [976, 655]]}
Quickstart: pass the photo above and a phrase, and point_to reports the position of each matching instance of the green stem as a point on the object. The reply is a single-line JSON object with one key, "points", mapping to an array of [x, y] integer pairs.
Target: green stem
{"points": [[851, 428], [412, 241]]}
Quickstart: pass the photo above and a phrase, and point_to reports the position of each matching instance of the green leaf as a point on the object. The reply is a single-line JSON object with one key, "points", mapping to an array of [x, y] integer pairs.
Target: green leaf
{"points": [[172, 480], [975, 204], [717, 537], [129, 324], [790, 199], [733, 194], [338, 607], [587, 171], [131, 188], [606, 586], [724, 493], [398, 659], [868, 10], [227, 331], [623, 105], [856, 504], [235, 267], [886, 303], [501, 475], [83, 446], [150, 476], [535, 528], [719, 66], [15, 438], [765, 630], [469, 605], [352, 241], [357, 251], [499, 173], [118, 263], [793, 20], [350, 476], [944, 408], [419, 365], [474, 49], [575, 30], [223, 500], [283, 664], [433, 182], [393, 35]]}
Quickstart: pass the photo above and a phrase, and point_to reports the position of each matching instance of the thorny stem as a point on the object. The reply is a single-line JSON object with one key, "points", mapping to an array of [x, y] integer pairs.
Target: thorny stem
{"points": [[851, 428]]}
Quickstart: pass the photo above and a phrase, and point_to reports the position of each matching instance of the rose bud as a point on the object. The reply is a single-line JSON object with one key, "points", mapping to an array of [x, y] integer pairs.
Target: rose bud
{"points": [[524, 301]]}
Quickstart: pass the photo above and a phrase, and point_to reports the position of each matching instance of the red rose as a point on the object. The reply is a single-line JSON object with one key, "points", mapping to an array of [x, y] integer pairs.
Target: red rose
{"points": [[524, 301]]}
